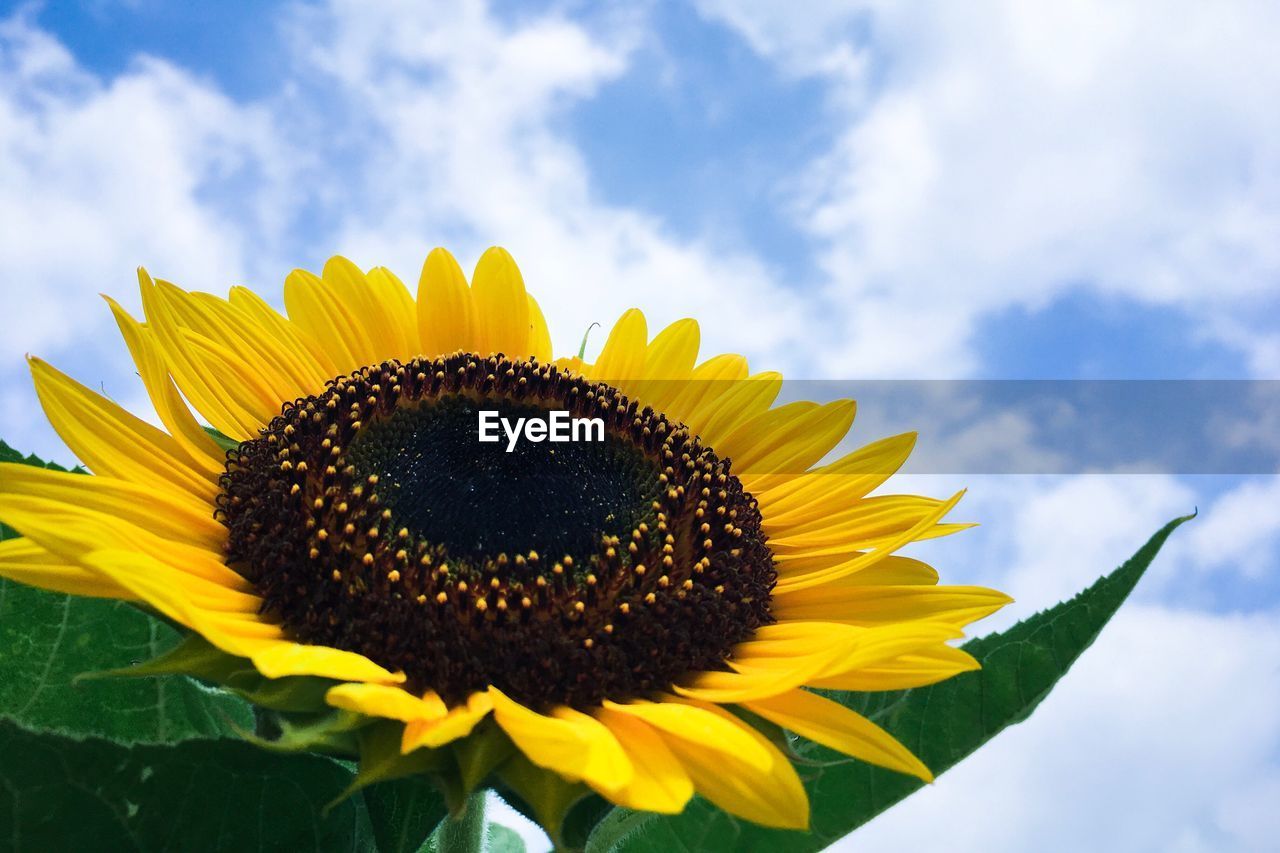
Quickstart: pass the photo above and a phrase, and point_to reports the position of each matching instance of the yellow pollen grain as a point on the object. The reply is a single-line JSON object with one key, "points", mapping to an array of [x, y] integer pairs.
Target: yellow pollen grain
{"points": [[650, 598], [337, 575], [367, 559], [526, 602], [441, 597], [482, 605], [393, 575]]}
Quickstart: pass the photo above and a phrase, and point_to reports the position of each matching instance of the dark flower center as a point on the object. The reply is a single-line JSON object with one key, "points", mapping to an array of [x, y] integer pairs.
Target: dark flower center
{"points": [[371, 518]]}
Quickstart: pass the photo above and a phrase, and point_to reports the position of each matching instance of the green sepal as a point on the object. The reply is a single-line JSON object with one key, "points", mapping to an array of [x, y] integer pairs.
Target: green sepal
{"points": [[198, 658], [299, 694], [225, 442], [378, 748], [334, 733], [541, 795], [480, 753], [194, 656]]}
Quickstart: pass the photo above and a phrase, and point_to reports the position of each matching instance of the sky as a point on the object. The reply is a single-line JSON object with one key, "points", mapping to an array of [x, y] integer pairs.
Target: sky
{"points": [[840, 190]]}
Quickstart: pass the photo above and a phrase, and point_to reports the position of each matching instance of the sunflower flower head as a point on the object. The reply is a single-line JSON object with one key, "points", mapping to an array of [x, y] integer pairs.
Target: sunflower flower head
{"points": [[632, 617]]}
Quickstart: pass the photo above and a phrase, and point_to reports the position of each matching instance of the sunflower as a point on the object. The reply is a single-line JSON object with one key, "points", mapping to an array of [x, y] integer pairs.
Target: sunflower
{"points": [[642, 617]]}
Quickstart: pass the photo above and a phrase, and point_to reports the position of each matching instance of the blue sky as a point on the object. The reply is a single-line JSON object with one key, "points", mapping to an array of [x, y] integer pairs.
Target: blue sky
{"points": [[860, 189]]}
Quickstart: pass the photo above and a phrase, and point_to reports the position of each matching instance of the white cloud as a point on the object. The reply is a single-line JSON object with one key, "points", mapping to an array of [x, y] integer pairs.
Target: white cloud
{"points": [[389, 130], [101, 177], [1239, 533], [460, 140], [1000, 154]]}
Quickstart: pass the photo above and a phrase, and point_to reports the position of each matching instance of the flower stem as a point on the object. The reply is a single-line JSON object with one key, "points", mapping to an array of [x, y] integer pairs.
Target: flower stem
{"points": [[464, 832]]}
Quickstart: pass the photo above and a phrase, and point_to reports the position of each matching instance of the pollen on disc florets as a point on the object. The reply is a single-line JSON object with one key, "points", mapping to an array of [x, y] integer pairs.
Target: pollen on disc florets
{"points": [[371, 519]]}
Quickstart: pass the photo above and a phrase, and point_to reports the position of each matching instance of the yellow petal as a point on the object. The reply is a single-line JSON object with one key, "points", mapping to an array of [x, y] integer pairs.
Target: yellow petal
{"points": [[445, 322], [927, 665], [883, 605], [772, 444], [786, 655], [888, 570], [382, 700], [203, 452], [224, 404], [864, 521], [791, 580], [835, 726], [501, 305], [399, 313], [278, 368], [112, 442], [306, 349], [794, 499], [181, 518], [150, 580], [708, 381], [286, 658], [568, 742], [661, 783], [24, 561], [741, 402], [673, 351], [668, 363], [74, 529], [692, 721], [539, 334], [364, 309], [772, 796], [623, 357], [315, 307], [458, 723]]}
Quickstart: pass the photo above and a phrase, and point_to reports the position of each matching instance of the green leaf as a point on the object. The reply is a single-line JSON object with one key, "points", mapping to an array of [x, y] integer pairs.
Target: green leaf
{"points": [[62, 794], [404, 813], [48, 639], [942, 724]]}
